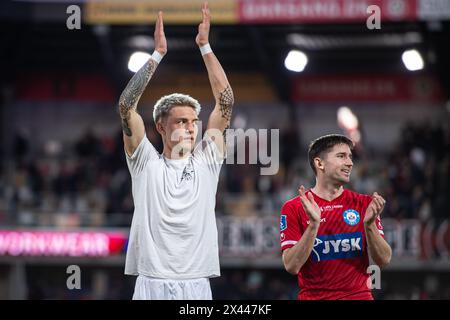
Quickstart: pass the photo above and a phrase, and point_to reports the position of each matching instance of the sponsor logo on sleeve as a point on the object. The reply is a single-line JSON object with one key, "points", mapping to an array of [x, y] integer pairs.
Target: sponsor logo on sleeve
{"points": [[283, 222], [379, 225]]}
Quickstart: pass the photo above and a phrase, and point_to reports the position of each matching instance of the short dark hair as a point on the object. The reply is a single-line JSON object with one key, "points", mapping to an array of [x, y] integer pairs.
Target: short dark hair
{"points": [[322, 144]]}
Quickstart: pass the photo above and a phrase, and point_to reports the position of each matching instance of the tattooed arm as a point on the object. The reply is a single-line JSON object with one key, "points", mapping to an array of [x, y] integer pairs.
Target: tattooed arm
{"points": [[223, 94], [132, 123]]}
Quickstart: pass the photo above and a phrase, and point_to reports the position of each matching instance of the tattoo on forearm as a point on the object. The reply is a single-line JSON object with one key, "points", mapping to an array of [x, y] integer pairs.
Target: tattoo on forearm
{"points": [[130, 96], [225, 133], [226, 101]]}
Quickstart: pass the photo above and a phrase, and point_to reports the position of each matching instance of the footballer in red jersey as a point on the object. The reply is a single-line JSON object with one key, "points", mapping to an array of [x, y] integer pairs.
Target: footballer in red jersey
{"points": [[328, 232]]}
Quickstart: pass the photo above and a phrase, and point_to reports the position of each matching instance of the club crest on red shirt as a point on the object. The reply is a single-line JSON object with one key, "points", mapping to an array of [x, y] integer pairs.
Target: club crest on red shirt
{"points": [[351, 217]]}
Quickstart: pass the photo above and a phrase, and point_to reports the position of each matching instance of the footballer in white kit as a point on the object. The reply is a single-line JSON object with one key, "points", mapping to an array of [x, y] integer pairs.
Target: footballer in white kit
{"points": [[173, 244]]}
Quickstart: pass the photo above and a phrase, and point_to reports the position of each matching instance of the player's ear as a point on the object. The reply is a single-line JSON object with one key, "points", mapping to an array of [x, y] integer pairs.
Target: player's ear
{"points": [[160, 127], [318, 163]]}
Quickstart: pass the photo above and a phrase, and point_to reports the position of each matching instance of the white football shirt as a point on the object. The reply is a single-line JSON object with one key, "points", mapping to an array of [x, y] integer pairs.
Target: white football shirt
{"points": [[173, 232]]}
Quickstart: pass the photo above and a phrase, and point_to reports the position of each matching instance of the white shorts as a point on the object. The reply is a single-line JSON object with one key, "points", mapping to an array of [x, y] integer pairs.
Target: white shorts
{"points": [[148, 288]]}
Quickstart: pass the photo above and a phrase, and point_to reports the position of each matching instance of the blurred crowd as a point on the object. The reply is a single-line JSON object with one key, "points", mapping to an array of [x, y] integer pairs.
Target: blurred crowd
{"points": [[87, 182], [419, 175], [77, 184]]}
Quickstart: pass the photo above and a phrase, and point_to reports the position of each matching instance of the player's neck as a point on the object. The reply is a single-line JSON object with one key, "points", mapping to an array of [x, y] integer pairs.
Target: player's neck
{"points": [[327, 191], [169, 154]]}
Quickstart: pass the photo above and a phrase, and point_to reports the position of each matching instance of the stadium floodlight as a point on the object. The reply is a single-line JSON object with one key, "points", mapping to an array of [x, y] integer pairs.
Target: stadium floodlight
{"points": [[137, 60], [296, 61], [347, 119], [412, 60]]}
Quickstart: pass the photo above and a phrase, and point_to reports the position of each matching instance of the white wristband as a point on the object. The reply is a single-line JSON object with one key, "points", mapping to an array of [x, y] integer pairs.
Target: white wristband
{"points": [[157, 56], [205, 49]]}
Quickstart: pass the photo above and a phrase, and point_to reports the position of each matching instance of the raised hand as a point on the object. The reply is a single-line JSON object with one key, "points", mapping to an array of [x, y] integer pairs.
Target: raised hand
{"points": [[310, 206], [202, 37], [374, 209], [160, 37]]}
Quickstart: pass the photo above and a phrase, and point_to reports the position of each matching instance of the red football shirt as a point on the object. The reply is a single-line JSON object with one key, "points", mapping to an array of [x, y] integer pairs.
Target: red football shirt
{"points": [[337, 266]]}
